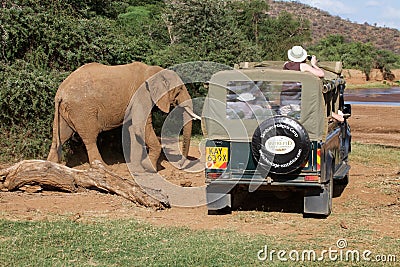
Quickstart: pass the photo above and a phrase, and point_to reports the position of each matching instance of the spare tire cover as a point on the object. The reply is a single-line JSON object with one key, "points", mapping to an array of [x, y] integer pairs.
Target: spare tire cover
{"points": [[280, 145]]}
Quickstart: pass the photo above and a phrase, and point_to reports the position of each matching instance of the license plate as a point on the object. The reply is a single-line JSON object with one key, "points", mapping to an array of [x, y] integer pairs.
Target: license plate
{"points": [[216, 157]]}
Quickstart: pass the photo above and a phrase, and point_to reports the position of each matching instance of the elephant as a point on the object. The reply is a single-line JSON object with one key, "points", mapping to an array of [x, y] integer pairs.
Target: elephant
{"points": [[95, 98]]}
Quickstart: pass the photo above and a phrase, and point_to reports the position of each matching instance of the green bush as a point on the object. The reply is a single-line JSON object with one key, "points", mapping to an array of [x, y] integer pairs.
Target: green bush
{"points": [[31, 141], [27, 93], [356, 55], [26, 104]]}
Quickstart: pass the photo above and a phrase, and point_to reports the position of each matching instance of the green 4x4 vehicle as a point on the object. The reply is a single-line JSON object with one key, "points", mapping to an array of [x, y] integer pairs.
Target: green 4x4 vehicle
{"points": [[272, 129]]}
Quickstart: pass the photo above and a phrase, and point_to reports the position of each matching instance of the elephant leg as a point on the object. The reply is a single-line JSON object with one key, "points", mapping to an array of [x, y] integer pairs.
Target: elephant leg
{"points": [[62, 132], [88, 130], [90, 141], [153, 145], [137, 149]]}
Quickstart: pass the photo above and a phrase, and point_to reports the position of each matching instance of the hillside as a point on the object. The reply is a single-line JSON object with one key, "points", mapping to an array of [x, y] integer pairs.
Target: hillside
{"points": [[324, 24]]}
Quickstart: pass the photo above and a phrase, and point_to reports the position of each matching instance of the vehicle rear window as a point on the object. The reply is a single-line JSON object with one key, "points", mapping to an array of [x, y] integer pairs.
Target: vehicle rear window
{"points": [[262, 99]]}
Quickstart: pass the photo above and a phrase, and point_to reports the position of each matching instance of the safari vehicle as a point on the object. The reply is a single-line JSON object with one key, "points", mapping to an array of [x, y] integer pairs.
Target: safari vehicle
{"points": [[272, 129]]}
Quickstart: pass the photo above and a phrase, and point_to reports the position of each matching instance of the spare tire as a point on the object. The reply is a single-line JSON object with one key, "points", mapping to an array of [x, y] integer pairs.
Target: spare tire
{"points": [[280, 145]]}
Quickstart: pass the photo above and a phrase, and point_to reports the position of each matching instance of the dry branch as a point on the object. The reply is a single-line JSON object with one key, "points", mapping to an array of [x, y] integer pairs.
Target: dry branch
{"points": [[49, 175]]}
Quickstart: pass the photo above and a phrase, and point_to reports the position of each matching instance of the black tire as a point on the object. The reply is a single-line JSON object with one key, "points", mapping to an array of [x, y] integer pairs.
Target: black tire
{"points": [[284, 158], [223, 211]]}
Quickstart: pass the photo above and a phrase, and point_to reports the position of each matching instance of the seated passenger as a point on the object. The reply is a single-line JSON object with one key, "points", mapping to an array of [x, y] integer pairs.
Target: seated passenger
{"points": [[297, 56]]}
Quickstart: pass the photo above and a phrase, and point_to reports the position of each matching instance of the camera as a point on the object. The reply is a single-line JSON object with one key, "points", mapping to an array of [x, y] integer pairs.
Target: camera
{"points": [[309, 57]]}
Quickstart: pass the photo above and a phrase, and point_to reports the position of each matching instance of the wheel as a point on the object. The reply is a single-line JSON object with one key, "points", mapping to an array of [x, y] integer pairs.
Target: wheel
{"points": [[223, 211], [280, 145]]}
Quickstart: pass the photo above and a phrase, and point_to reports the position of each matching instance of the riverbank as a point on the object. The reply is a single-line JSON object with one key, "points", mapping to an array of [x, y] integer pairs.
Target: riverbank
{"points": [[356, 79]]}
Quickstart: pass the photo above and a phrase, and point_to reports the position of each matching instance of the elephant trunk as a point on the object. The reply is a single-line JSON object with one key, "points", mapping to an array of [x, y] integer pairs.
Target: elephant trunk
{"points": [[185, 101], [187, 132]]}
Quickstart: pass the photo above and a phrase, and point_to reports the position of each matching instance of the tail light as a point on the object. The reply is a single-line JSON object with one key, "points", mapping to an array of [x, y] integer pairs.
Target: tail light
{"points": [[311, 178], [214, 175]]}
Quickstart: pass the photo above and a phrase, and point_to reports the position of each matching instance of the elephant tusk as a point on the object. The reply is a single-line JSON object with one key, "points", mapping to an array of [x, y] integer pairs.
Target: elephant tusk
{"points": [[191, 113]]}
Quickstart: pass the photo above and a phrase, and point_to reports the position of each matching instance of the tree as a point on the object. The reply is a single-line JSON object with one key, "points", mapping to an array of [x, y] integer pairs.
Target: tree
{"points": [[206, 26], [362, 56], [145, 22], [279, 34], [232, 31], [384, 60], [249, 15], [330, 48]]}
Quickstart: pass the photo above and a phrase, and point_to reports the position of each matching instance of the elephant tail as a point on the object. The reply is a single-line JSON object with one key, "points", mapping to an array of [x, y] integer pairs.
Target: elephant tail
{"points": [[57, 117], [59, 142], [56, 145]]}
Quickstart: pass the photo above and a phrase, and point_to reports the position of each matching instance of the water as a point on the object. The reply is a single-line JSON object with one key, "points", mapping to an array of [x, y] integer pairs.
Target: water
{"points": [[373, 103], [373, 96]]}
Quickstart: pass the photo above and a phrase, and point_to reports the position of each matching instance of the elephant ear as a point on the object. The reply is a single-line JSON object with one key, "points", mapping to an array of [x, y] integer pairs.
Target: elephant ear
{"points": [[162, 87]]}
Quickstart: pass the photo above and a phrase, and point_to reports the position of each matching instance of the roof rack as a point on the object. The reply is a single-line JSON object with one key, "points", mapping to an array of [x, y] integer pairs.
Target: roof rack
{"points": [[335, 67]]}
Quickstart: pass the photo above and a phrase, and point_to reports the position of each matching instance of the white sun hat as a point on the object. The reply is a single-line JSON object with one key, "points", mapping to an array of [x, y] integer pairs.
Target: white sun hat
{"points": [[297, 54], [246, 97]]}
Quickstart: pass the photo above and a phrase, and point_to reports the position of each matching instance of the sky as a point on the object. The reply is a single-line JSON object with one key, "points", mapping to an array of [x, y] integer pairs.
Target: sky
{"points": [[385, 13]]}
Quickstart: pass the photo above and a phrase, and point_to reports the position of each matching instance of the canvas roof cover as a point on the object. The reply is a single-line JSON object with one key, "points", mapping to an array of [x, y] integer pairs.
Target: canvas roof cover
{"points": [[216, 125]]}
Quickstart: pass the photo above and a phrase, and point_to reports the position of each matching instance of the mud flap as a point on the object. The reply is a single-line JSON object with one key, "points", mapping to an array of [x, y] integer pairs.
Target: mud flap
{"points": [[317, 202], [218, 197]]}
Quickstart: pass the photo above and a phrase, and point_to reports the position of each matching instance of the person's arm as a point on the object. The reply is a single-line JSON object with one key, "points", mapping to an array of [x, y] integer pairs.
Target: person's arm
{"points": [[314, 69]]}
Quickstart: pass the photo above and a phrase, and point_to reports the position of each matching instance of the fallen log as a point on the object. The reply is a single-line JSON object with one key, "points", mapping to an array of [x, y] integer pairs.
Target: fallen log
{"points": [[47, 175]]}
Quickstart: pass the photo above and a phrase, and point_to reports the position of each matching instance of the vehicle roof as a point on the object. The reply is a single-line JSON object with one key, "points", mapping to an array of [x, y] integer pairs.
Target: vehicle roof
{"points": [[332, 69], [313, 111]]}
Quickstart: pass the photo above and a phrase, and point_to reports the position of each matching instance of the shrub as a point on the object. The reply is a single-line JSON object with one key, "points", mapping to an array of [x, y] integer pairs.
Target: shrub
{"points": [[26, 104]]}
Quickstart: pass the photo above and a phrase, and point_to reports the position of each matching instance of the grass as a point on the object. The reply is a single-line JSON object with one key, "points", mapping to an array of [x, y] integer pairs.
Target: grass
{"points": [[121, 243], [377, 155], [370, 85], [387, 159], [132, 243]]}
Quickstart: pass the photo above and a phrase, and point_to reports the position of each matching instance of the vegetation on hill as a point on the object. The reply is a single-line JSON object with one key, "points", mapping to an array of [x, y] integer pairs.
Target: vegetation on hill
{"points": [[43, 41], [357, 55], [323, 25]]}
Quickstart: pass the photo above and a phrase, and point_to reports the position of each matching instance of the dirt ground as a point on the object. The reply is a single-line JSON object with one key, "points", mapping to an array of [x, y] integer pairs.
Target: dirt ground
{"points": [[376, 125], [371, 201]]}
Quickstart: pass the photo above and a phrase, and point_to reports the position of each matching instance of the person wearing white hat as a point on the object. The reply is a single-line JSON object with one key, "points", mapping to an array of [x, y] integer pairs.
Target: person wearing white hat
{"points": [[297, 56]]}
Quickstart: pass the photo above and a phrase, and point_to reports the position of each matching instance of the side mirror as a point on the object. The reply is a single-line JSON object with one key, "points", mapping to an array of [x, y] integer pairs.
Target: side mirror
{"points": [[346, 111]]}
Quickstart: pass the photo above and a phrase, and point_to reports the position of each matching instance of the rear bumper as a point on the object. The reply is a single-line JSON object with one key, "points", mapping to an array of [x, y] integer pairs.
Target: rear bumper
{"points": [[219, 193], [264, 183]]}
